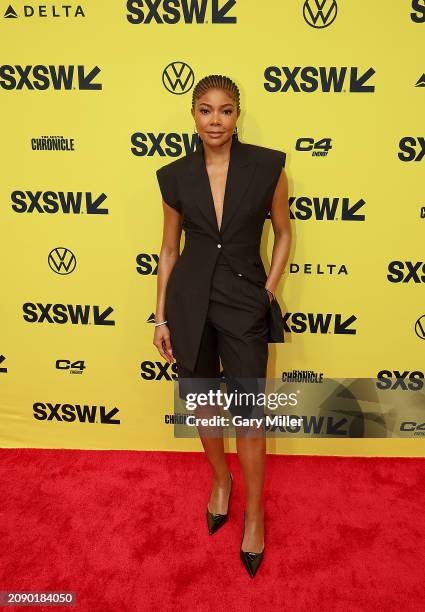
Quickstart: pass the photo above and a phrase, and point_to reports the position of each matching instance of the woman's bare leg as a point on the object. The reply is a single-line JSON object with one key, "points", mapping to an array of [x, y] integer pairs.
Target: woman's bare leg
{"points": [[212, 441], [252, 455]]}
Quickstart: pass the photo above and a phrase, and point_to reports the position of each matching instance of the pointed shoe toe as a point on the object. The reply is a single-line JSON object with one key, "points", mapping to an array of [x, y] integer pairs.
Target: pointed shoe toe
{"points": [[251, 561], [215, 521]]}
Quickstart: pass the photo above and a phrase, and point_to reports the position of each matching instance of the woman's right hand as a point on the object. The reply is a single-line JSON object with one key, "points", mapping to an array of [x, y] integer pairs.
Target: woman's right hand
{"points": [[162, 342]]}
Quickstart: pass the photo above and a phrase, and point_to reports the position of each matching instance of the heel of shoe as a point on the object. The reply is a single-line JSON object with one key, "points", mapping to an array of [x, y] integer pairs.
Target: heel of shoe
{"points": [[215, 521]]}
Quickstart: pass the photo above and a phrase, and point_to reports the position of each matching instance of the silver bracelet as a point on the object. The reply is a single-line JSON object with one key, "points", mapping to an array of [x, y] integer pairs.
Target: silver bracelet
{"points": [[162, 323], [269, 292]]}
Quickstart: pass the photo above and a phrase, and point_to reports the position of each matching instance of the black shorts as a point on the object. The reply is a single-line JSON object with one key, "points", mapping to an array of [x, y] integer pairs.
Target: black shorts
{"points": [[235, 332]]}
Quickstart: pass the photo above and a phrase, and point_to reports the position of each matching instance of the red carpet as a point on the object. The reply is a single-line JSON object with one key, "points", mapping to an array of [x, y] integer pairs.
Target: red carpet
{"points": [[127, 532]]}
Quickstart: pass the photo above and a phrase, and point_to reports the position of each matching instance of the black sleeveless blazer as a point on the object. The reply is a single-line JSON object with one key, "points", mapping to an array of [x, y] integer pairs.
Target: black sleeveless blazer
{"points": [[252, 176]]}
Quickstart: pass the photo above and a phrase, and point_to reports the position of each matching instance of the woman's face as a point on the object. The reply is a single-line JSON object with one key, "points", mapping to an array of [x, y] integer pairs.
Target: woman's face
{"points": [[215, 116]]}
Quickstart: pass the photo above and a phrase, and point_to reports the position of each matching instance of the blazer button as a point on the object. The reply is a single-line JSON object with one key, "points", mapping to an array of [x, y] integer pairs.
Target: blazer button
{"points": [[239, 274], [219, 246]]}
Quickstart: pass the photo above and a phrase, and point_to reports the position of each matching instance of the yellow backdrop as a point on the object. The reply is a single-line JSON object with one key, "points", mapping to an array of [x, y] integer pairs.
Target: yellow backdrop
{"points": [[95, 99]]}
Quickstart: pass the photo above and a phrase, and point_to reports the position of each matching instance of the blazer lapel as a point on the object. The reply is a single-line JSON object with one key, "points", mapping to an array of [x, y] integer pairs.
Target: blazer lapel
{"points": [[239, 176]]}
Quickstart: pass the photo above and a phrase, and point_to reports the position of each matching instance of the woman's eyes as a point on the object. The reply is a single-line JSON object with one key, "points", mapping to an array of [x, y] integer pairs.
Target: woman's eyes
{"points": [[227, 111]]}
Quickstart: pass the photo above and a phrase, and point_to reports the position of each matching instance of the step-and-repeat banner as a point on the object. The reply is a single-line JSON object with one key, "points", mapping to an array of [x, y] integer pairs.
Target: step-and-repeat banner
{"points": [[95, 96]]}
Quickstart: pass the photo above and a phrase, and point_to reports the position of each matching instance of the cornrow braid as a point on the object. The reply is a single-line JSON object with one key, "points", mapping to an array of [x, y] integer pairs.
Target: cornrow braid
{"points": [[216, 80]]}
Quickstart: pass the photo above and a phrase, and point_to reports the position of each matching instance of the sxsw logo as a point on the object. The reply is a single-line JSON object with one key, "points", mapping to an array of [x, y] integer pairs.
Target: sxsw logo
{"points": [[406, 272], [418, 14], [412, 148], [52, 202], [147, 264], [319, 323], [75, 314], [71, 413], [325, 426], [310, 79], [158, 370], [393, 379], [174, 144], [180, 11], [40, 77], [304, 208]]}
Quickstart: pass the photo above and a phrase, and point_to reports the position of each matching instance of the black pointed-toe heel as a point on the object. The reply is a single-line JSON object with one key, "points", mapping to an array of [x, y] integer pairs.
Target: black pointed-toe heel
{"points": [[251, 560], [215, 521]]}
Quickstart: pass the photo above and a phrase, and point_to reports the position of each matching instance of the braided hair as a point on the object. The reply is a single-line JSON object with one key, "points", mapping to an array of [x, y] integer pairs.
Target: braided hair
{"points": [[219, 81]]}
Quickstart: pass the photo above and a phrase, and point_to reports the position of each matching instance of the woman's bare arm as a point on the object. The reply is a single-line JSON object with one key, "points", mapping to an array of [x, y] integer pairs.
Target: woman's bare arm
{"points": [[282, 230], [168, 256]]}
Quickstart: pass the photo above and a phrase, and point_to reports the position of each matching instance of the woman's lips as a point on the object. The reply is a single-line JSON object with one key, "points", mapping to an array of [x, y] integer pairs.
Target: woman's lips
{"points": [[215, 134]]}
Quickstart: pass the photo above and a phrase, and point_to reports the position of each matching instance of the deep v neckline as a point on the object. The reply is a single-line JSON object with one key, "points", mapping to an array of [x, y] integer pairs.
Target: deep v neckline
{"points": [[226, 184]]}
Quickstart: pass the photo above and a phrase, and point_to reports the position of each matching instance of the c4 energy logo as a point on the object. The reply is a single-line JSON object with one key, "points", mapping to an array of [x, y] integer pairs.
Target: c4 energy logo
{"points": [[71, 413], [319, 323], [308, 79], [320, 13], [40, 78], [317, 148], [61, 314], [52, 202], [326, 209], [183, 11], [62, 260], [72, 366]]}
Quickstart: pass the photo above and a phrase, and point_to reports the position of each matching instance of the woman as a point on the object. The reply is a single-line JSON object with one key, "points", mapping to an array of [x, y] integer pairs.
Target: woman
{"points": [[213, 298]]}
